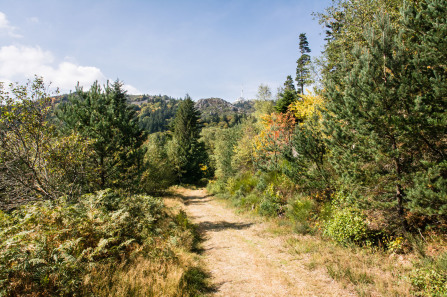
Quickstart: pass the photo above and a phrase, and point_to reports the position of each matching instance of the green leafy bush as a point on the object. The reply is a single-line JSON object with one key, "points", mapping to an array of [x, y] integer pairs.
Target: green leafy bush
{"points": [[250, 201], [270, 204], [216, 187], [347, 225], [159, 173]]}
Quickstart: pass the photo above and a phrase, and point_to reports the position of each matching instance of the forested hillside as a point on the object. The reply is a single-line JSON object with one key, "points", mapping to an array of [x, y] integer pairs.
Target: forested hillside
{"points": [[354, 155]]}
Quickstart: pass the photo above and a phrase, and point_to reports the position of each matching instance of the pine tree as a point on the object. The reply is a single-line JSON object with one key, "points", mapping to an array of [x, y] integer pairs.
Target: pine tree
{"points": [[104, 116], [381, 127], [187, 152], [288, 84], [303, 75], [424, 31], [307, 158]]}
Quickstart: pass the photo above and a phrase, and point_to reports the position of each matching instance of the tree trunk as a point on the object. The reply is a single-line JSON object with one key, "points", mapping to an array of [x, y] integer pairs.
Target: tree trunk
{"points": [[102, 172]]}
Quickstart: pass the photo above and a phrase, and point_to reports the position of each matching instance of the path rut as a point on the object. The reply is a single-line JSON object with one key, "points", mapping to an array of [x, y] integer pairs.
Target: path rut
{"points": [[245, 259]]}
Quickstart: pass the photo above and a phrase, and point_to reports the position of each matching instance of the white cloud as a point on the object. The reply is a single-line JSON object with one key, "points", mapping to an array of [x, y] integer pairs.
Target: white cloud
{"points": [[5, 27], [21, 62], [131, 90]]}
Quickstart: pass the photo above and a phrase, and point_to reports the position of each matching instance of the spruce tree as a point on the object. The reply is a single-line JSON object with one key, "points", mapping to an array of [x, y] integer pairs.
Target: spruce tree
{"points": [[187, 152], [103, 115], [303, 75]]}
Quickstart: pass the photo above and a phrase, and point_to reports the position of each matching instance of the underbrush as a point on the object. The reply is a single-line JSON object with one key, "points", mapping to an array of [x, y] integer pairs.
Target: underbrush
{"points": [[104, 244]]}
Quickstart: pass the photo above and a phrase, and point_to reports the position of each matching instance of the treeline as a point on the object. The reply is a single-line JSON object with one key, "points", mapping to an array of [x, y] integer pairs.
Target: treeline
{"points": [[75, 214], [362, 159]]}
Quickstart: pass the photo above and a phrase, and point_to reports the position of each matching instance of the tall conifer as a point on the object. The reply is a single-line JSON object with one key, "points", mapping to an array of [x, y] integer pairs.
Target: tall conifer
{"points": [[377, 126], [188, 153], [303, 75]]}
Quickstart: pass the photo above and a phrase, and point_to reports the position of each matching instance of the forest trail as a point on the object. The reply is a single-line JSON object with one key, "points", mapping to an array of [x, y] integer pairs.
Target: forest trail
{"points": [[245, 259]]}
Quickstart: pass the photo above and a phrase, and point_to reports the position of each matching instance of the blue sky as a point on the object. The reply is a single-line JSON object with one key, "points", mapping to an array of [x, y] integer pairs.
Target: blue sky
{"points": [[208, 48]]}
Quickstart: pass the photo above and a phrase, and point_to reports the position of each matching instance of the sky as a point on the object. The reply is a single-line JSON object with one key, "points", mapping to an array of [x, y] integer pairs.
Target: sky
{"points": [[204, 48]]}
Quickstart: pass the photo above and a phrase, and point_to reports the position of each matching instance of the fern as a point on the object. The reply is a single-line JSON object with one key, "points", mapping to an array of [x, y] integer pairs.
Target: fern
{"points": [[50, 246]]}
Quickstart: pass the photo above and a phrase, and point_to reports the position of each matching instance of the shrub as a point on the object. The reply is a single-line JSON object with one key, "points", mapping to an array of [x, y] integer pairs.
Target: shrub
{"points": [[347, 225], [35, 162], [216, 187], [269, 207], [429, 282], [159, 174]]}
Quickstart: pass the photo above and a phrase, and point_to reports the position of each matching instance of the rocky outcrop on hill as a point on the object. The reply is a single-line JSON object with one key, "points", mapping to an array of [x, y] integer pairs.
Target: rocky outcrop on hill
{"points": [[215, 106]]}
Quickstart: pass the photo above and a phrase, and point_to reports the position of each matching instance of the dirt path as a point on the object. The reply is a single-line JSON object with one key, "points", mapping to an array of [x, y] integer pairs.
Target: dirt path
{"points": [[245, 259]]}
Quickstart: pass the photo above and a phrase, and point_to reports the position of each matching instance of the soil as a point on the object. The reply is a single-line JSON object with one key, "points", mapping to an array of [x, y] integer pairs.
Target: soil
{"points": [[245, 258]]}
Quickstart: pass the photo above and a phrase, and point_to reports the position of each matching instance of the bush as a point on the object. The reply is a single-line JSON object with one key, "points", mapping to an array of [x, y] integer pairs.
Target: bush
{"points": [[159, 174], [242, 183], [251, 201], [347, 225], [216, 187], [269, 207]]}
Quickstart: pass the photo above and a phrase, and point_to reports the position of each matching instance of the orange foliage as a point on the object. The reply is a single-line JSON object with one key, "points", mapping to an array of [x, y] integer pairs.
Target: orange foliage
{"points": [[275, 137]]}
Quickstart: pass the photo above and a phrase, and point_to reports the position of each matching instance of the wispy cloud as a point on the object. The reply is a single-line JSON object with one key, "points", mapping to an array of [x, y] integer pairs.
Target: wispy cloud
{"points": [[34, 20], [6, 28]]}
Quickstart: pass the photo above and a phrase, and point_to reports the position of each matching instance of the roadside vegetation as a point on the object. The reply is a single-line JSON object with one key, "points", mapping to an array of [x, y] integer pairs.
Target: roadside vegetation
{"points": [[356, 168], [360, 160], [76, 216]]}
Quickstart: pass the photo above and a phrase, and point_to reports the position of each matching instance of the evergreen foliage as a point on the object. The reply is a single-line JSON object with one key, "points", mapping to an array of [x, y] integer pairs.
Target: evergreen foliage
{"points": [[285, 99], [159, 173], [303, 75], [379, 138], [187, 152], [156, 113], [424, 31], [104, 116], [289, 85], [307, 158]]}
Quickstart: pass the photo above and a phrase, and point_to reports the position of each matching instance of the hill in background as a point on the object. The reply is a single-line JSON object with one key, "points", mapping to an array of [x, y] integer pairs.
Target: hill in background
{"points": [[156, 112]]}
